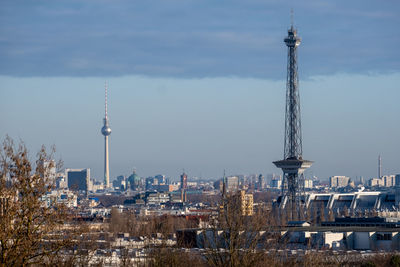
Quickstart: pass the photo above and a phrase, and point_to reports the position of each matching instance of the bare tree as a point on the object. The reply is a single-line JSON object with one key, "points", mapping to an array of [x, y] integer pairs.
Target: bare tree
{"points": [[30, 231], [237, 239]]}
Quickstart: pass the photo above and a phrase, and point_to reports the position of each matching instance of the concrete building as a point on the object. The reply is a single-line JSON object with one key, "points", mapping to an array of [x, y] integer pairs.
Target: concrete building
{"points": [[66, 197], [246, 203], [384, 181], [361, 237], [397, 180], [166, 188], [276, 183], [308, 183], [376, 182], [232, 183], [184, 181], [49, 169], [397, 190], [157, 198], [338, 181], [260, 182], [78, 179], [61, 181], [389, 180]]}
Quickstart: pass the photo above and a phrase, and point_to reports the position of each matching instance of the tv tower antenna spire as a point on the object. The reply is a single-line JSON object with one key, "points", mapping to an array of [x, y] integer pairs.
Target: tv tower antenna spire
{"points": [[105, 105], [293, 165], [291, 17], [106, 131]]}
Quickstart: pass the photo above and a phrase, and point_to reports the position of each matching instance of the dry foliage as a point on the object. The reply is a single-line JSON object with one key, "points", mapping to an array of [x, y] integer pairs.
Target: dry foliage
{"points": [[238, 240], [30, 232]]}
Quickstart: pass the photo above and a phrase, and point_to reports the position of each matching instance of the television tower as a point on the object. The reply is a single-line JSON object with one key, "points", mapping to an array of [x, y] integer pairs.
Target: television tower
{"points": [[106, 131], [293, 165]]}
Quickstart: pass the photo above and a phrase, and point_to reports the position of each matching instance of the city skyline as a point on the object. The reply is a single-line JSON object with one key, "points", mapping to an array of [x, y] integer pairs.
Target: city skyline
{"points": [[212, 116]]}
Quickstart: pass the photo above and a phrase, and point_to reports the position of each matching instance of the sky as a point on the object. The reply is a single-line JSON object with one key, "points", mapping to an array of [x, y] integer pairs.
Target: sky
{"points": [[200, 85]]}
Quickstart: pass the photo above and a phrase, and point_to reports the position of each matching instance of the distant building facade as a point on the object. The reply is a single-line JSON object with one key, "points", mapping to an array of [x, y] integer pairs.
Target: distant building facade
{"points": [[276, 183], [66, 197], [184, 181], [260, 182], [246, 203], [78, 179], [232, 183], [384, 181], [308, 183], [338, 181]]}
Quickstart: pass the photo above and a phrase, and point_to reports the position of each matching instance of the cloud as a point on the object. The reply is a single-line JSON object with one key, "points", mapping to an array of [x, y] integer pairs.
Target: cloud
{"points": [[194, 38]]}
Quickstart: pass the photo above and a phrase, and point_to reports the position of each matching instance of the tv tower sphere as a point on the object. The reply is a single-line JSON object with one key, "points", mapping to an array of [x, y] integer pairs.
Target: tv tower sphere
{"points": [[106, 131]]}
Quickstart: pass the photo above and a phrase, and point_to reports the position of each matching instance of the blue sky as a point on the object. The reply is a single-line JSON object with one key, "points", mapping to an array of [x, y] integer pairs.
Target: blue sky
{"points": [[200, 85]]}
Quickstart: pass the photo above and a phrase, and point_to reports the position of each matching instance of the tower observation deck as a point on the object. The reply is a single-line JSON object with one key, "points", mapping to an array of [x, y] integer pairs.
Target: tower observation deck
{"points": [[106, 131], [293, 165]]}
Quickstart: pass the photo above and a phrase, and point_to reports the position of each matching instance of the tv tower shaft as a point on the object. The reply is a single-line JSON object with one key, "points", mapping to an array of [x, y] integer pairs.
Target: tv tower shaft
{"points": [[106, 131]]}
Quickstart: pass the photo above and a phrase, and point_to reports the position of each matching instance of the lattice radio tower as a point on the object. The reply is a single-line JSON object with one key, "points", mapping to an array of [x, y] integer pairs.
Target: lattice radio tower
{"points": [[293, 165]]}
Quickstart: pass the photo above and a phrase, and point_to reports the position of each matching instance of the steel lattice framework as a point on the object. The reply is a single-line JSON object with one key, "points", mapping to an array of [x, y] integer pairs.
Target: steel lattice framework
{"points": [[293, 164], [293, 144]]}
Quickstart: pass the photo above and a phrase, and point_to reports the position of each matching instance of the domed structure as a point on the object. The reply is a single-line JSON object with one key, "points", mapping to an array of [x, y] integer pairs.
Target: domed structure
{"points": [[134, 180], [106, 130]]}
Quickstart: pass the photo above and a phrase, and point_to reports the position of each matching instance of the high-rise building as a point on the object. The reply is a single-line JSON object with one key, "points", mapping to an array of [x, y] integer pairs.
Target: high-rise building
{"points": [[389, 180], [48, 169], [379, 166], [232, 184], [184, 181], [293, 165], [375, 182], [78, 179], [260, 183], [338, 181], [308, 183], [160, 179], [246, 203], [276, 183], [384, 181], [397, 190], [119, 182], [106, 131]]}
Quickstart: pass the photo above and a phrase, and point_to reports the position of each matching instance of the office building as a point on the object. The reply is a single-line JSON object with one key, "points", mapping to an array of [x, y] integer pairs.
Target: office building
{"points": [[384, 181], [232, 184], [246, 203], [276, 183], [338, 181], [184, 181], [78, 179]]}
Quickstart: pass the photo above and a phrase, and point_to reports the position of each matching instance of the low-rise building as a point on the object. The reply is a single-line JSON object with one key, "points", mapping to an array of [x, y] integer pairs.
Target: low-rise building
{"points": [[66, 197]]}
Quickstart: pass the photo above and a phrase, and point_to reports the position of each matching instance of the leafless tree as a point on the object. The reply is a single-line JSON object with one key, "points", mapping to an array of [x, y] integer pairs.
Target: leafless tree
{"points": [[30, 231], [236, 239]]}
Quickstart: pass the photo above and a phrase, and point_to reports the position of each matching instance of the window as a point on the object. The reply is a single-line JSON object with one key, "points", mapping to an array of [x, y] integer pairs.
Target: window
{"points": [[381, 236]]}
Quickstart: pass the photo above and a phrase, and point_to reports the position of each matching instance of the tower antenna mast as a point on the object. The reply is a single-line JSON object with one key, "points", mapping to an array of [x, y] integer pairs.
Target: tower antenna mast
{"points": [[292, 165], [291, 17], [105, 103], [106, 131]]}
